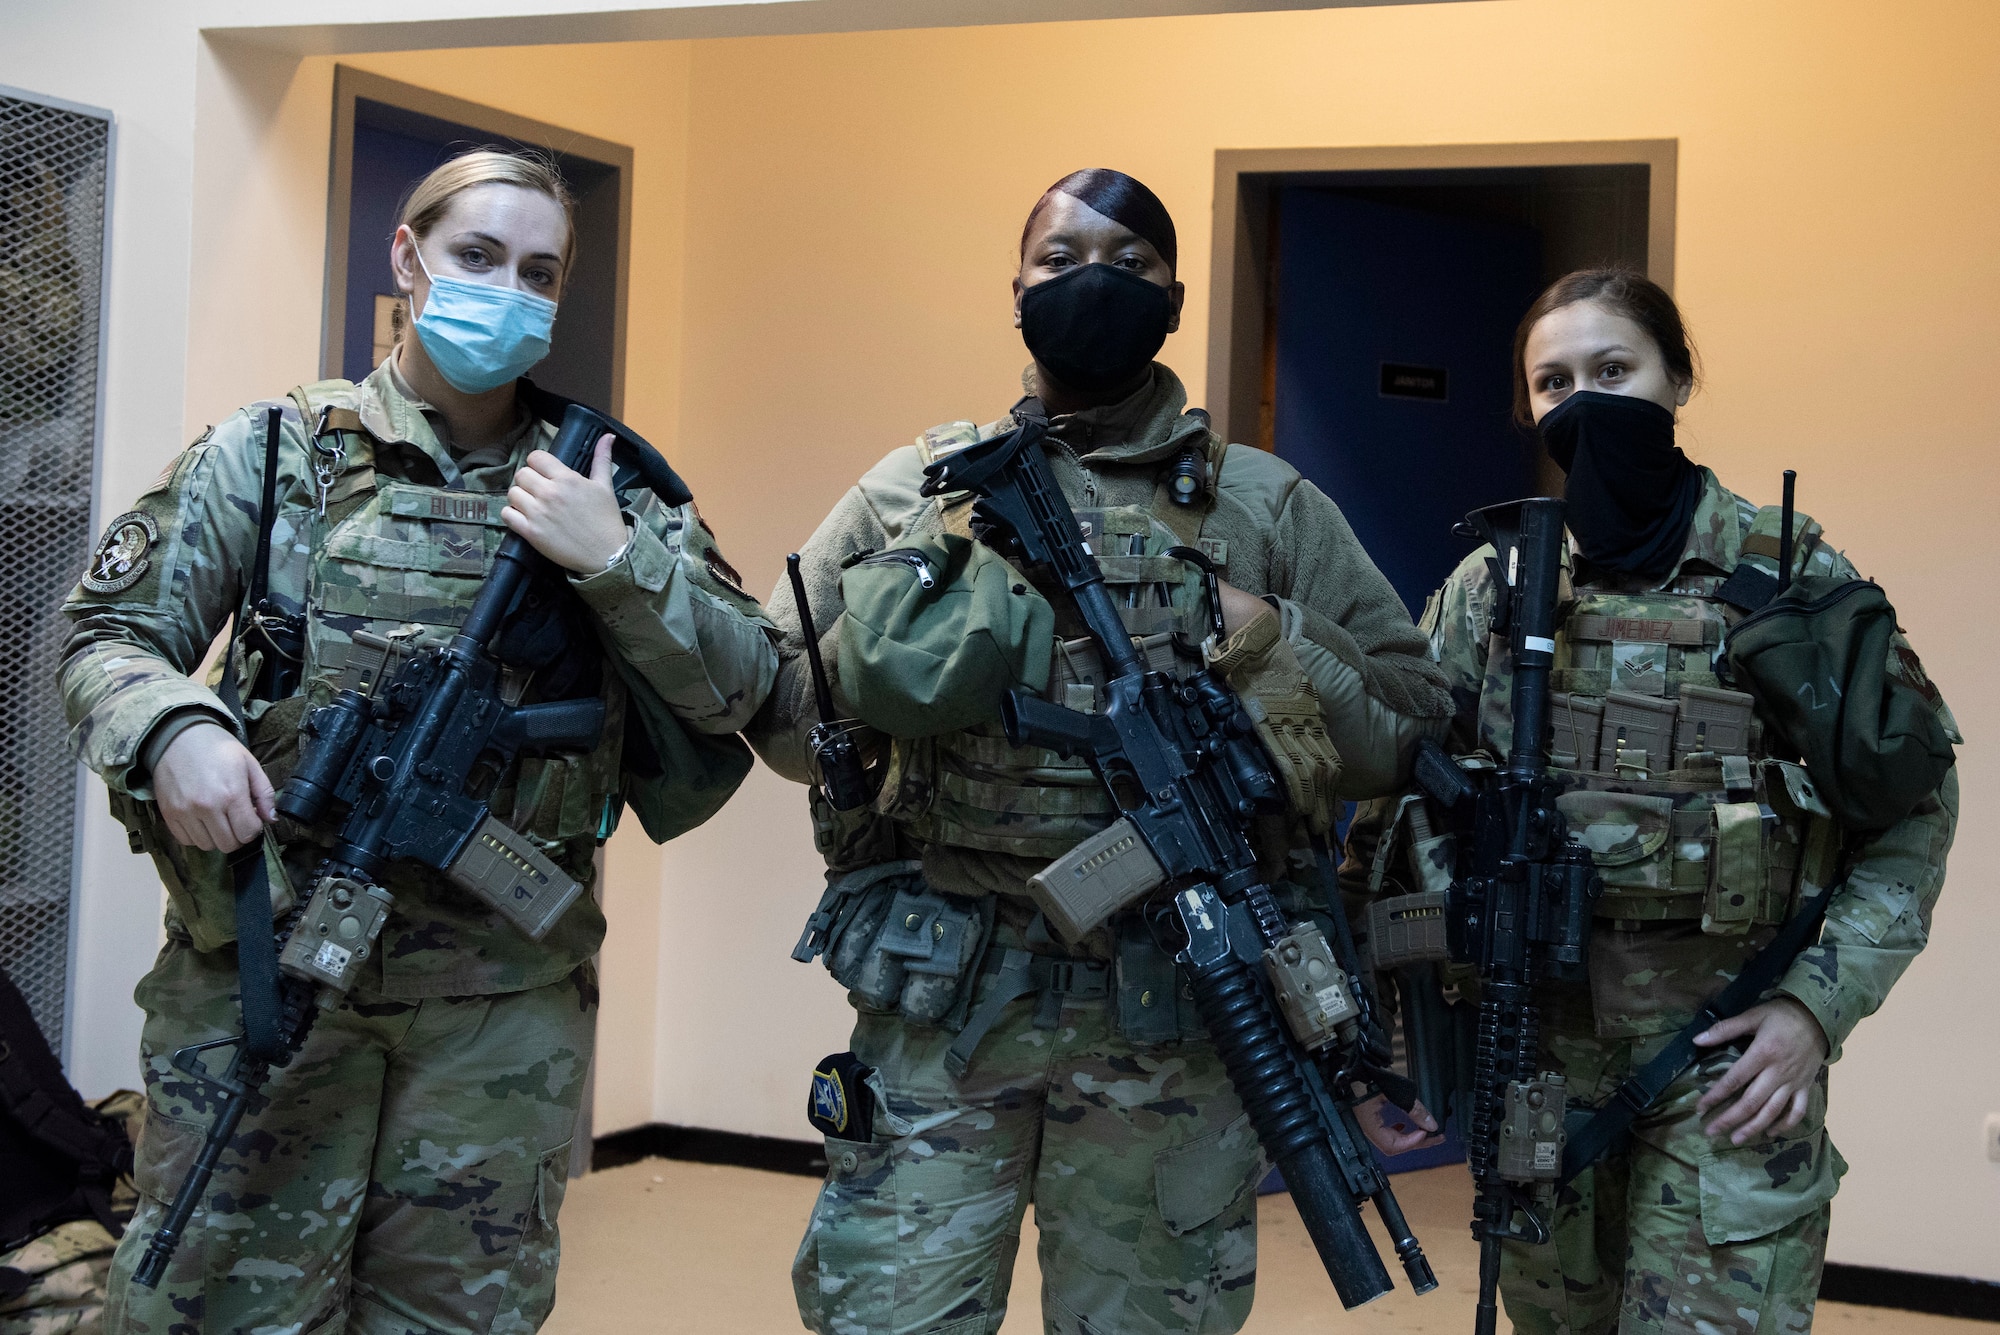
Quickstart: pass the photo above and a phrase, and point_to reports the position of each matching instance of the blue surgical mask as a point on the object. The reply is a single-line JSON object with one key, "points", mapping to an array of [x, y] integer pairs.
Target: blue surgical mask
{"points": [[480, 336]]}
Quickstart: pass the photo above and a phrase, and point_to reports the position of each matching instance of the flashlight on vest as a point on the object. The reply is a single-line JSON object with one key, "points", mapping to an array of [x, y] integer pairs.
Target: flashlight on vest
{"points": [[1187, 480]]}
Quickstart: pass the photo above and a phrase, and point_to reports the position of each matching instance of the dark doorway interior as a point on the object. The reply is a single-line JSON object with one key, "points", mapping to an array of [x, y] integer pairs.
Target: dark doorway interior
{"points": [[1390, 314], [393, 144]]}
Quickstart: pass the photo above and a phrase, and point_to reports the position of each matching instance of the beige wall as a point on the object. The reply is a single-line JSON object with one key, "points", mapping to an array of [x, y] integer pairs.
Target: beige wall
{"points": [[825, 233], [855, 200]]}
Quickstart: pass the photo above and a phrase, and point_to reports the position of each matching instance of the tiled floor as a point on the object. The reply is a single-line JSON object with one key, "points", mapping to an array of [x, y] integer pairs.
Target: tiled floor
{"points": [[662, 1248]]}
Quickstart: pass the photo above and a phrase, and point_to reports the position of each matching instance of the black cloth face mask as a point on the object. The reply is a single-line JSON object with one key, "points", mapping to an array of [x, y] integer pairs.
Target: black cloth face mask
{"points": [[1095, 327], [1631, 492]]}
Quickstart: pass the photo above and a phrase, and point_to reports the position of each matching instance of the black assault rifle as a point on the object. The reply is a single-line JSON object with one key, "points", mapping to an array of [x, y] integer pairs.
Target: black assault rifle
{"points": [[409, 763], [1519, 909], [1182, 761]]}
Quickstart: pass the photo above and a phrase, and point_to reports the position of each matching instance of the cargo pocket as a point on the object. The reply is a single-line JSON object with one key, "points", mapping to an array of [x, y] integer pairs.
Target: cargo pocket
{"points": [[1752, 1191], [838, 1276], [531, 1279], [1627, 834], [1196, 1182], [167, 1149]]}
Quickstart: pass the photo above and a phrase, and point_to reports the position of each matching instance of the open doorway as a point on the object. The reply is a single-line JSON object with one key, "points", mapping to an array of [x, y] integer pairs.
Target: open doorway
{"points": [[386, 137], [1366, 306]]}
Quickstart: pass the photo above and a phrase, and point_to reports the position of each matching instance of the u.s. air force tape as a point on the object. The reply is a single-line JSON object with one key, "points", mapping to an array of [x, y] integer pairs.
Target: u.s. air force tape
{"points": [[841, 1104]]}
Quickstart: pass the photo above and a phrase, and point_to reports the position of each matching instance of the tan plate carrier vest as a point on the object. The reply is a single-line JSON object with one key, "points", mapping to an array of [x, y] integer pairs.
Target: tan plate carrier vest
{"points": [[973, 789], [1670, 785], [393, 560]]}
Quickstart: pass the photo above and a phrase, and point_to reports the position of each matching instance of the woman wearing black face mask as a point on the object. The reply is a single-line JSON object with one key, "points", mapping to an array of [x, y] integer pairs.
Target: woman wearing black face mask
{"points": [[1025, 1068], [1715, 1216]]}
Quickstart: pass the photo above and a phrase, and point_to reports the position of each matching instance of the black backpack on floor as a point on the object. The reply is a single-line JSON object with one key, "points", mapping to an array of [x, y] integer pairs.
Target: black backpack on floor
{"points": [[58, 1157]]}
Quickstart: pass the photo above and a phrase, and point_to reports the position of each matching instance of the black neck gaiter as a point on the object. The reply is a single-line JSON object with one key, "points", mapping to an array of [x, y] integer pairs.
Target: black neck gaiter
{"points": [[1096, 327], [1631, 492]]}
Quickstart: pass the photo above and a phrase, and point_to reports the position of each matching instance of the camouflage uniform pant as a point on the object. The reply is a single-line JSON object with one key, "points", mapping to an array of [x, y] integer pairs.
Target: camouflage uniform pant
{"points": [[1139, 1162], [405, 1175], [1678, 1233]]}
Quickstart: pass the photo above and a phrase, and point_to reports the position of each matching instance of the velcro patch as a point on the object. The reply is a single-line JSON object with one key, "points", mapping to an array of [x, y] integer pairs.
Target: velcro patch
{"points": [[840, 1103], [123, 555]]}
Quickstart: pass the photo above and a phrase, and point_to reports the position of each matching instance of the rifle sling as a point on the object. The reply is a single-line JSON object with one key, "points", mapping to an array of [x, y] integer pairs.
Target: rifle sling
{"points": [[256, 938], [1644, 1086]]}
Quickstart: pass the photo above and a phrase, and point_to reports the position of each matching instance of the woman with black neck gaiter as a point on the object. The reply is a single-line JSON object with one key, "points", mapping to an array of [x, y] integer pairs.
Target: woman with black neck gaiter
{"points": [[1713, 1214]]}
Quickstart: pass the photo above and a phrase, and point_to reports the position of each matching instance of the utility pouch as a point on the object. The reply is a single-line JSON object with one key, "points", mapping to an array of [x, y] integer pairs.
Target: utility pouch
{"points": [[1818, 658], [1713, 723], [1638, 734], [896, 944], [1083, 888], [1575, 722], [930, 942], [197, 880], [1738, 868], [849, 914], [1148, 987], [850, 840]]}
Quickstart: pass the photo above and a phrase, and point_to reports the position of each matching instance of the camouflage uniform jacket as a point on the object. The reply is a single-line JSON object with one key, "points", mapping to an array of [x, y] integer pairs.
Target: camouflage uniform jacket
{"points": [[171, 572], [1876, 922], [1274, 535]]}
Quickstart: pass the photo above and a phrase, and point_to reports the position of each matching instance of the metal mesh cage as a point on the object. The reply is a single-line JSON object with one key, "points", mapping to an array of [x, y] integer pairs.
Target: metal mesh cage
{"points": [[52, 195]]}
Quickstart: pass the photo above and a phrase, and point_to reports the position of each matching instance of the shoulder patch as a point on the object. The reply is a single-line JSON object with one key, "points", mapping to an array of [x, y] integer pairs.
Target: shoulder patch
{"points": [[123, 554]]}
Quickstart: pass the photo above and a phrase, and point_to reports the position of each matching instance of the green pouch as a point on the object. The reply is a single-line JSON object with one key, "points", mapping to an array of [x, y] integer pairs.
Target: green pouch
{"points": [[1627, 835], [935, 633], [896, 944], [673, 778], [854, 908], [1816, 657], [934, 941], [1148, 987]]}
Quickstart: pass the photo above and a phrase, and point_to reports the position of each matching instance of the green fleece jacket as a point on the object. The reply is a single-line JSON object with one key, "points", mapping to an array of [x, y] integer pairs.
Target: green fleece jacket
{"points": [[1286, 541]]}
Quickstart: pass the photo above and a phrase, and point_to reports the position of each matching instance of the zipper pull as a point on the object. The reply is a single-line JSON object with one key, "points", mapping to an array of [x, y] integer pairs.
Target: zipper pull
{"points": [[903, 557]]}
